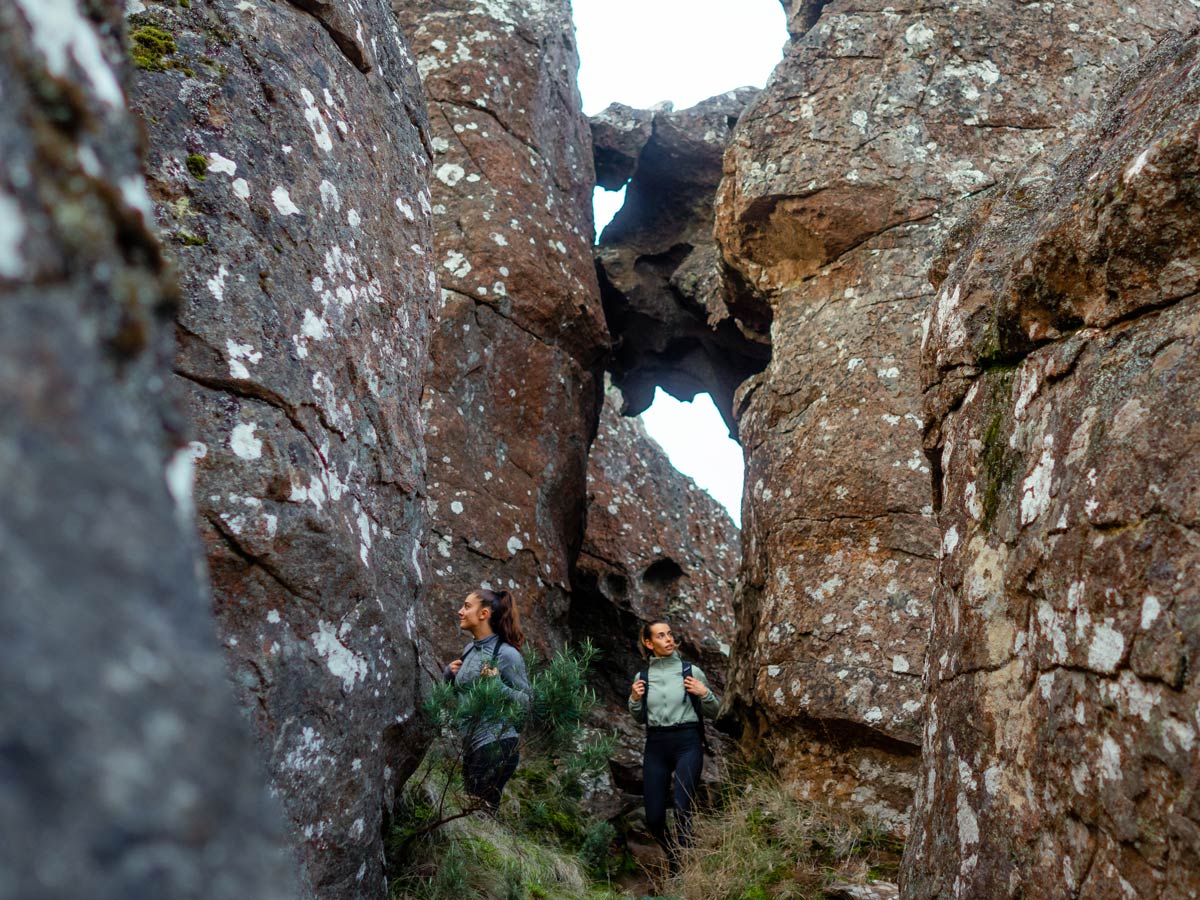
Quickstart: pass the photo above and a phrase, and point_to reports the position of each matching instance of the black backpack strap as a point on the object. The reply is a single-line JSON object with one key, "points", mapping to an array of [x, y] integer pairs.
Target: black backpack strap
{"points": [[644, 675], [695, 701]]}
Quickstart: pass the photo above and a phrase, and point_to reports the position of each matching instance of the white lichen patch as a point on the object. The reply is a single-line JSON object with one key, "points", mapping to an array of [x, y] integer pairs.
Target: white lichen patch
{"points": [[449, 174], [283, 202], [307, 752], [220, 164], [243, 442], [1150, 611], [316, 121], [1106, 649], [949, 541], [239, 356], [1110, 760], [341, 661], [241, 188], [216, 284], [457, 264], [1035, 490]]}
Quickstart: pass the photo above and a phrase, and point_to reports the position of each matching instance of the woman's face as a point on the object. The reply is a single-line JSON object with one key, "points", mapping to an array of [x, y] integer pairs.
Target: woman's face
{"points": [[473, 613], [661, 641]]}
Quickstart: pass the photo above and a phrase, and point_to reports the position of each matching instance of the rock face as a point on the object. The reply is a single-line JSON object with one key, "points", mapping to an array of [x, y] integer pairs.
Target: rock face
{"points": [[1062, 365], [656, 546], [288, 164], [872, 136], [126, 768], [513, 396], [659, 267]]}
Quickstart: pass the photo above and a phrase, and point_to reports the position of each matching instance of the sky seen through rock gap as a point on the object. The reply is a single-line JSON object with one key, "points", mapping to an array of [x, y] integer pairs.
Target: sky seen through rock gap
{"points": [[642, 52]]}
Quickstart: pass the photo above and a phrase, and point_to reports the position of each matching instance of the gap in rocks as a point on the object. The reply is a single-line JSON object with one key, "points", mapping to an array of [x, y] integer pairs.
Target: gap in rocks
{"points": [[698, 444]]}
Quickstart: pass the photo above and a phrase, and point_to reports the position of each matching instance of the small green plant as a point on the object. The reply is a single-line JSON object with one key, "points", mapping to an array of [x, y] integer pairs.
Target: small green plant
{"points": [[197, 165], [542, 844]]}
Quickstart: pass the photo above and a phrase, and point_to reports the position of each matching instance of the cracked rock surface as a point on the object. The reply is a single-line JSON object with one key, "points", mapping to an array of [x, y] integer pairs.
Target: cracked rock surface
{"points": [[1062, 367], [126, 768], [288, 164], [841, 178], [514, 391]]}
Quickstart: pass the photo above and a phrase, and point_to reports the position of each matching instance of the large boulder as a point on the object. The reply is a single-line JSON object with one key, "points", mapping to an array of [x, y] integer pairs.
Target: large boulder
{"points": [[664, 299], [126, 768], [514, 390], [869, 141], [288, 166], [1063, 370]]}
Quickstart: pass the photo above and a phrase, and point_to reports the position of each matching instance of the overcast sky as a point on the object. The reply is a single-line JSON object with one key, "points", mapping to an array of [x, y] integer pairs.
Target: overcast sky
{"points": [[641, 52]]}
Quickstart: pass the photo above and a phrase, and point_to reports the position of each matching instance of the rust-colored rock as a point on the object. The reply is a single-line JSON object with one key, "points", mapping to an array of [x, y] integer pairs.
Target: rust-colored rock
{"points": [[663, 295], [1063, 369], [840, 179], [126, 767], [288, 164], [513, 394]]}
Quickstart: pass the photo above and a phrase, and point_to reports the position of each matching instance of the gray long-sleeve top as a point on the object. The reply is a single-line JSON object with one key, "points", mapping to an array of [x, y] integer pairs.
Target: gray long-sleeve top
{"points": [[513, 678], [669, 703]]}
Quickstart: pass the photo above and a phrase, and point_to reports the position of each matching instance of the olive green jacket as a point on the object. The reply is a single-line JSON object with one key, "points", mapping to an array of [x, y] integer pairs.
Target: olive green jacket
{"points": [[669, 703]]}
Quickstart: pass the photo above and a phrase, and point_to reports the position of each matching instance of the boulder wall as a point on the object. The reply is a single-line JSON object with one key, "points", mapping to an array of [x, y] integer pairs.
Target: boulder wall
{"points": [[288, 164]]}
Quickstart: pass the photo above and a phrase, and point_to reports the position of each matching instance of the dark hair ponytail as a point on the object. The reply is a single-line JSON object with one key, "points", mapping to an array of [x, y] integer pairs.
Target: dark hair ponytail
{"points": [[505, 621], [642, 648]]}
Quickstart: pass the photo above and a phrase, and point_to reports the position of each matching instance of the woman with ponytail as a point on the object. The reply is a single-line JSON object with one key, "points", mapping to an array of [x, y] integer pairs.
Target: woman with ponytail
{"points": [[494, 652], [670, 697]]}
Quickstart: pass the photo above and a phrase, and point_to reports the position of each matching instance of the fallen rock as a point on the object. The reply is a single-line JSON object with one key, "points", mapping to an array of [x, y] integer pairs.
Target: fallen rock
{"points": [[664, 298], [872, 138], [126, 768], [1062, 370], [288, 165], [513, 395]]}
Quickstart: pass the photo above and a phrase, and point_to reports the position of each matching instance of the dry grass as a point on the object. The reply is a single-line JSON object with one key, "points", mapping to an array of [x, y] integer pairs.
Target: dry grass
{"points": [[761, 844]]}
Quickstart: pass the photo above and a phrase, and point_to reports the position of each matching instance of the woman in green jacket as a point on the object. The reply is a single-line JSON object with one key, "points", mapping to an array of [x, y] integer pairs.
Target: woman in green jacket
{"points": [[670, 700]]}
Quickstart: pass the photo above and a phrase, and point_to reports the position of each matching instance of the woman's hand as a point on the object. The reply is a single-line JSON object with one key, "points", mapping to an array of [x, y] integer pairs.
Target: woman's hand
{"points": [[638, 690], [455, 666], [695, 686], [488, 671]]}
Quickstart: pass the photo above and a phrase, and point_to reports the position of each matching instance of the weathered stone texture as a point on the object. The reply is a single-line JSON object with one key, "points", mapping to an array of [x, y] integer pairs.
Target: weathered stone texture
{"points": [[1063, 371], [513, 397], [839, 180], [126, 769], [288, 162], [659, 267]]}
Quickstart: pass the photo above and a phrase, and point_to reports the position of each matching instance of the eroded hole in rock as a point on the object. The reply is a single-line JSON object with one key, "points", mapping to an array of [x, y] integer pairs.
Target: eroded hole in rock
{"points": [[662, 574]]}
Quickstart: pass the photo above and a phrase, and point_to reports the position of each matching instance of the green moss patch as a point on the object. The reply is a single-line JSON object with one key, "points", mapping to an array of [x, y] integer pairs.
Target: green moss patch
{"points": [[197, 165], [149, 46]]}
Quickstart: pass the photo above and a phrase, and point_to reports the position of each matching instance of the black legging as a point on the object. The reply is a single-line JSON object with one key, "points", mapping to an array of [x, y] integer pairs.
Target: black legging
{"points": [[668, 750], [486, 770]]}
